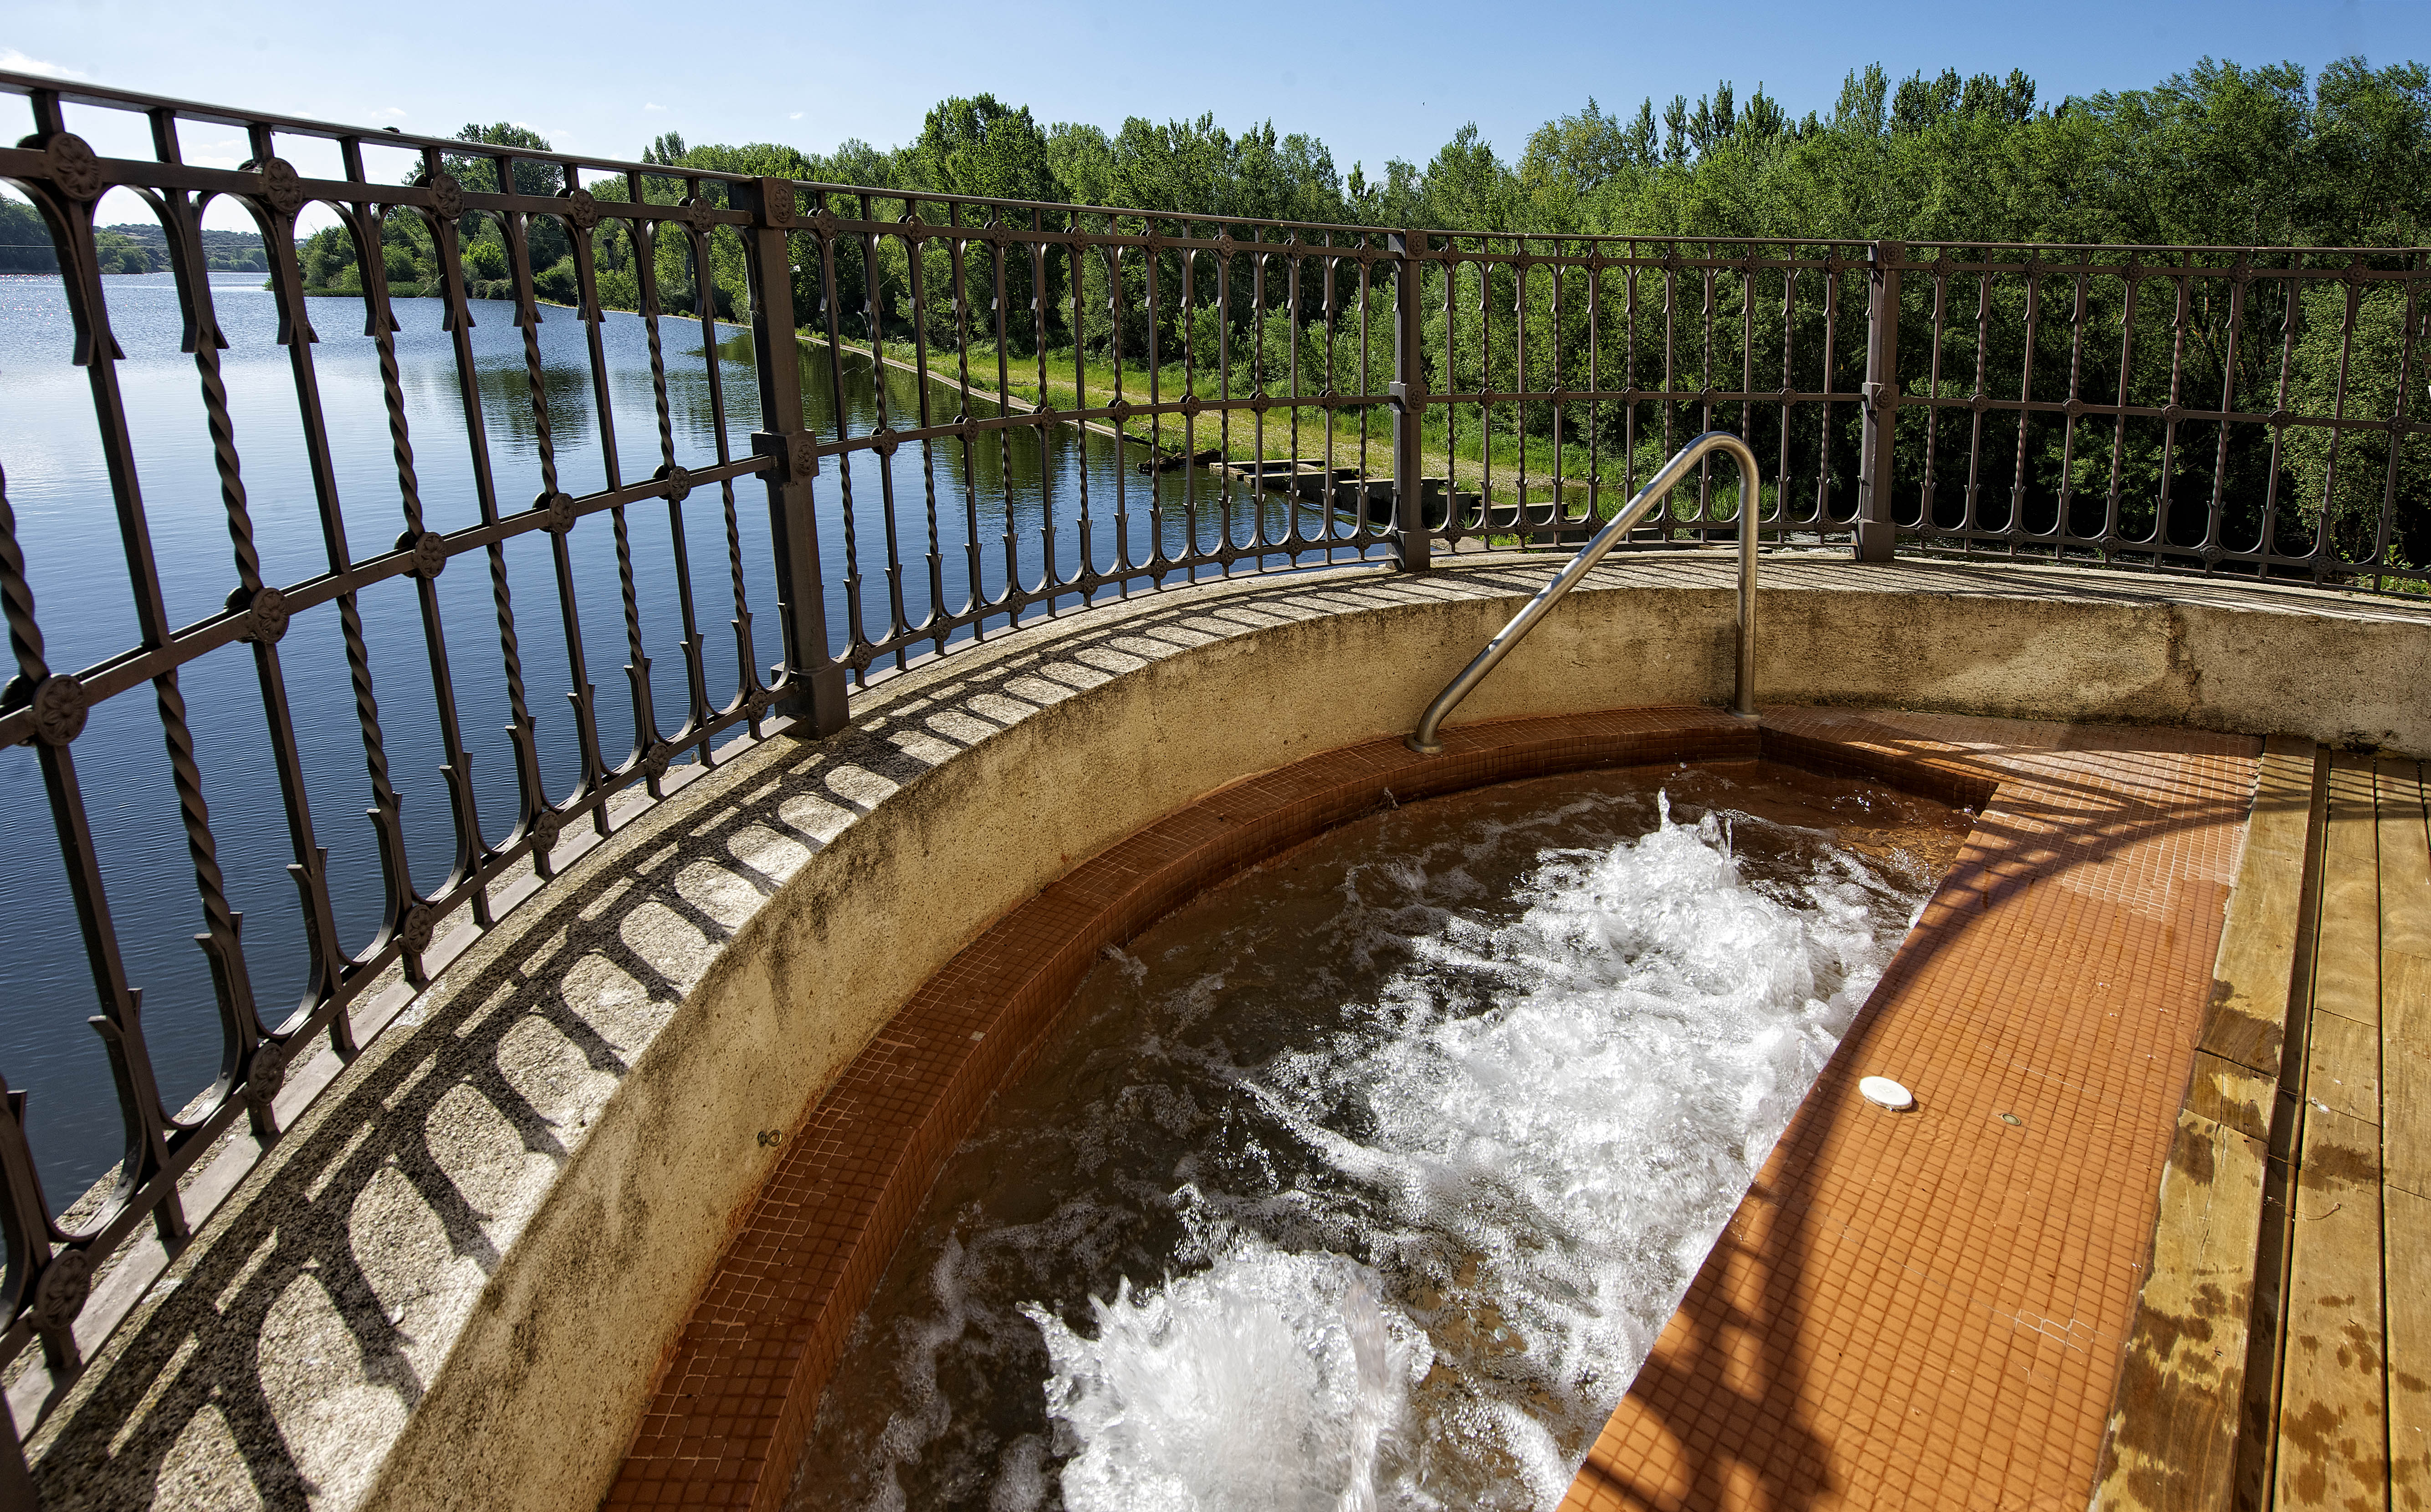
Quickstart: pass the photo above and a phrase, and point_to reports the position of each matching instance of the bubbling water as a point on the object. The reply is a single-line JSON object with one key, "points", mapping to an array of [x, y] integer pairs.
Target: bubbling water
{"points": [[1367, 1181]]}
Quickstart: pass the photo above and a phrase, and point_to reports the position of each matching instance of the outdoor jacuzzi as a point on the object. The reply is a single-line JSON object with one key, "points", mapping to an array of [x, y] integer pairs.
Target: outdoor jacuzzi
{"points": [[1367, 1178]]}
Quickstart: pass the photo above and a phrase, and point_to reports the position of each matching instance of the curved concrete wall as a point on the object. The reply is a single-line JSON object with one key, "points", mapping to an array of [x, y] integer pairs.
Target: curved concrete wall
{"points": [[839, 876]]}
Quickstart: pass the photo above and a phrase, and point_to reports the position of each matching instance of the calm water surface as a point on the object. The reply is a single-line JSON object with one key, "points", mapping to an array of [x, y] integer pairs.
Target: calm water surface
{"points": [[1021, 502]]}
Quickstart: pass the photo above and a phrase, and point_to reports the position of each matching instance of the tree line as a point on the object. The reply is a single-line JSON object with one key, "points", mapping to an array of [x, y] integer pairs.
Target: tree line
{"points": [[2221, 154]]}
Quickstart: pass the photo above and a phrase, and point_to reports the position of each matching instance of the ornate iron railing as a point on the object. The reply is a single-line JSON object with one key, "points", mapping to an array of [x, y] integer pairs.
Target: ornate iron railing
{"points": [[1348, 393]]}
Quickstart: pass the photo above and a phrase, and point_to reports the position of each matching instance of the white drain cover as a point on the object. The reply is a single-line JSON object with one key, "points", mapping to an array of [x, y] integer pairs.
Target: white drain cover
{"points": [[1885, 1092]]}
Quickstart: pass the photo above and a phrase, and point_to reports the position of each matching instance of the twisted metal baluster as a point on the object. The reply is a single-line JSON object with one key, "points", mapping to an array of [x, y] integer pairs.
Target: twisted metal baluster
{"points": [[637, 659], [957, 250], [457, 769], [1048, 578], [581, 693], [1012, 592], [457, 321], [1086, 574], [240, 1027], [884, 450], [2215, 524], [1830, 350], [2397, 431], [1156, 554], [2128, 309], [751, 688], [1224, 387], [31, 1230], [695, 644], [2018, 524], [146, 1122], [398, 917], [915, 254], [856, 631], [2170, 421]]}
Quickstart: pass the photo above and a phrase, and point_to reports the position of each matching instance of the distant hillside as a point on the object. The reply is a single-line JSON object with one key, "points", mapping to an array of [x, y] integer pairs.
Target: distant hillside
{"points": [[136, 248], [233, 251]]}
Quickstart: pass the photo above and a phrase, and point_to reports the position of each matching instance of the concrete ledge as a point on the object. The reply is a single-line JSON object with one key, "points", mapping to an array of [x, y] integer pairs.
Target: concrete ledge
{"points": [[454, 1281]]}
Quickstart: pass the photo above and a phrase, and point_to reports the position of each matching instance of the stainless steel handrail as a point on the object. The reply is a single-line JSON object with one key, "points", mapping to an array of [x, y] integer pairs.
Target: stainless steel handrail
{"points": [[1425, 739]]}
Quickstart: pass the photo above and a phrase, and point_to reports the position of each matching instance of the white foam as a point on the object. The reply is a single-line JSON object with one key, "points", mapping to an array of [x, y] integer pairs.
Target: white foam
{"points": [[1539, 1134], [1268, 1383]]}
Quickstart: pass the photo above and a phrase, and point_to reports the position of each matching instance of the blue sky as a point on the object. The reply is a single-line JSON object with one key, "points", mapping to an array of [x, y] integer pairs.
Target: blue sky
{"points": [[1374, 81]]}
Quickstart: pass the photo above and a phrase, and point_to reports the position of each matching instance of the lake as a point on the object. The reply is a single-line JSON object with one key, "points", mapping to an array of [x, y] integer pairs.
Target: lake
{"points": [[1021, 500]]}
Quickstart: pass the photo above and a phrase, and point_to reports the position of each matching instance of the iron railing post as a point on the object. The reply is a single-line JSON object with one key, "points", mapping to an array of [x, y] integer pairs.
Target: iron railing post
{"points": [[816, 684], [1877, 535], [1409, 402]]}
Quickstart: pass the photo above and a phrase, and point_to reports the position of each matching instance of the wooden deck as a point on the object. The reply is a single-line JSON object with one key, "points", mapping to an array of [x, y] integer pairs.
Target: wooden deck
{"points": [[2282, 1353]]}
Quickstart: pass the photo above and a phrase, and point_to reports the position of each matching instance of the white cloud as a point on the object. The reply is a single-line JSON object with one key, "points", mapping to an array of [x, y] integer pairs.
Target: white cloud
{"points": [[795, 116], [17, 62], [652, 105], [389, 112]]}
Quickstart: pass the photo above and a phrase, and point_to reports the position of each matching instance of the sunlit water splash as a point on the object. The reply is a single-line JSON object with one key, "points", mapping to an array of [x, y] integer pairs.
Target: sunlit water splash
{"points": [[1367, 1181]]}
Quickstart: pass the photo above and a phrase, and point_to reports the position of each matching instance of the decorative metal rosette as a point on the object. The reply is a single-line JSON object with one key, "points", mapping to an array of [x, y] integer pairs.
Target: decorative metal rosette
{"points": [[660, 757], [581, 209], [548, 828], [282, 189], [560, 510], [265, 613], [678, 481], [59, 707], [417, 929], [61, 1290], [697, 214], [429, 549], [72, 166], [446, 196], [802, 455], [266, 1074]]}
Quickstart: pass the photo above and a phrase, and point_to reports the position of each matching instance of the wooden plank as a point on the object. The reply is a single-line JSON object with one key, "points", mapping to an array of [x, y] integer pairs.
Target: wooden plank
{"points": [[2228, 1093], [2332, 1410], [2405, 863], [2248, 1019], [2406, 1072], [2406, 980], [2258, 1426], [2409, 1349], [2172, 1439], [2346, 972], [2342, 1067]]}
